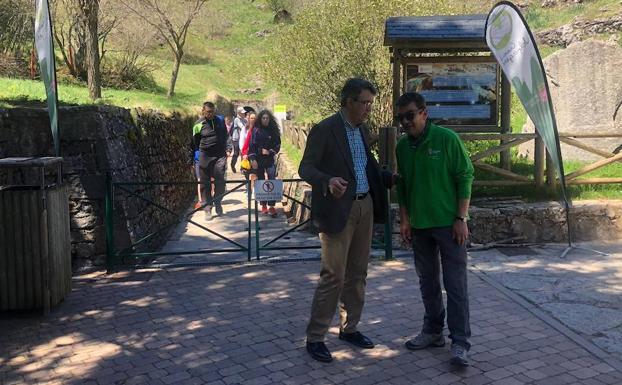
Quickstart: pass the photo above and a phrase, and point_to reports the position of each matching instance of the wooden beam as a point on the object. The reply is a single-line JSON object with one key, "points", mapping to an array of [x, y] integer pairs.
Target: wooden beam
{"points": [[594, 181], [451, 59], [502, 172], [586, 147], [471, 137], [397, 87], [506, 101], [501, 183], [539, 154], [590, 135], [593, 166], [496, 149]]}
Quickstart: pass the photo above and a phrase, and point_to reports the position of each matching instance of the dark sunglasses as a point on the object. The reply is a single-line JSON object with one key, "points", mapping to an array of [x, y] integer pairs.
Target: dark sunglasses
{"points": [[410, 115]]}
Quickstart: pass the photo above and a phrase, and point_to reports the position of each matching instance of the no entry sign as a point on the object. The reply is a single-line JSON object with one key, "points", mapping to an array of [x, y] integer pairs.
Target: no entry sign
{"points": [[268, 190]]}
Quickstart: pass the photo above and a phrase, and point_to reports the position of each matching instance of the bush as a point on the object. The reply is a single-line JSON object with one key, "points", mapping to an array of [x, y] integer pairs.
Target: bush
{"points": [[128, 72], [14, 65]]}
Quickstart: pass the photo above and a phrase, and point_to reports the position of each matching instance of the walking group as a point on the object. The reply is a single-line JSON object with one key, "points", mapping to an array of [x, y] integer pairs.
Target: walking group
{"points": [[253, 137], [433, 186]]}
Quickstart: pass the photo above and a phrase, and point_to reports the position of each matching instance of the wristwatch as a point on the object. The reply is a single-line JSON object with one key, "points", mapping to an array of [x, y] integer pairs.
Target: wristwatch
{"points": [[461, 219]]}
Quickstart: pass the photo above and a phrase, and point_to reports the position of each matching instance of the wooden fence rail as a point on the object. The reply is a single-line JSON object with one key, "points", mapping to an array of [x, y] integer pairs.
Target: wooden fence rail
{"points": [[544, 174]]}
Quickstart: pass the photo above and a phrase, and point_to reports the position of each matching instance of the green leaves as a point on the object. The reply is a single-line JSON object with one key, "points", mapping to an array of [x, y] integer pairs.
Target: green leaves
{"points": [[334, 40]]}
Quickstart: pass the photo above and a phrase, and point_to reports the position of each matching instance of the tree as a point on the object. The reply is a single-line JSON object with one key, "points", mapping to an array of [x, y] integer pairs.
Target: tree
{"points": [[89, 10], [171, 19], [70, 32], [16, 25], [312, 67]]}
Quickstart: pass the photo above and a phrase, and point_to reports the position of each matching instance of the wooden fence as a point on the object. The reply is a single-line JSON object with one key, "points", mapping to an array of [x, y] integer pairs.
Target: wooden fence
{"points": [[544, 171]]}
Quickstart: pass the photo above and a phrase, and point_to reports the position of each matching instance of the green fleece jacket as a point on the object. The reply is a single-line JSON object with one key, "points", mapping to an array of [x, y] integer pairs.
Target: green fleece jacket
{"points": [[436, 172]]}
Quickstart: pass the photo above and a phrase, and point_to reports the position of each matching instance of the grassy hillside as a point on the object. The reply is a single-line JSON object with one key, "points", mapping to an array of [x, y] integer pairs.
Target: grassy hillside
{"points": [[223, 54], [223, 62]]}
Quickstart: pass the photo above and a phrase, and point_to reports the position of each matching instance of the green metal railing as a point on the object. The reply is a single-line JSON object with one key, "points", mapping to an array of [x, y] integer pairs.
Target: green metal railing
{"points": [[121, 257], [114, 257]]}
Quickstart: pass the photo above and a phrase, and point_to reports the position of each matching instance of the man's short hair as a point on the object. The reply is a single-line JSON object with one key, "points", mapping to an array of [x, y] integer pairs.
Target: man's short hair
{"points": [[411, 97], [353, 88], [209, 105]]}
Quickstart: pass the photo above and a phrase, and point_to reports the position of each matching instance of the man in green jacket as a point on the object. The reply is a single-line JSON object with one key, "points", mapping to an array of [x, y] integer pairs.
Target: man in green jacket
{"points": [[434, 193]]}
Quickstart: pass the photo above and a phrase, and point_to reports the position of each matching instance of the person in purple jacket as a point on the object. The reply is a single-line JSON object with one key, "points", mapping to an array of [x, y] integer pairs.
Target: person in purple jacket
{"points": [[264, 145]]}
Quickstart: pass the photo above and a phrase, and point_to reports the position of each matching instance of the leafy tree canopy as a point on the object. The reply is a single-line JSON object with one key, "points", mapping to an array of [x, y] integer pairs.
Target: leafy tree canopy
{"points": [[337, 39]]}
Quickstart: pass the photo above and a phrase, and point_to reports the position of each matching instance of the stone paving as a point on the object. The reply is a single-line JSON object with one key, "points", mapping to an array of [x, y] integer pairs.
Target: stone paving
{"points": [[535, 319], [583, 291], [245, 325]]}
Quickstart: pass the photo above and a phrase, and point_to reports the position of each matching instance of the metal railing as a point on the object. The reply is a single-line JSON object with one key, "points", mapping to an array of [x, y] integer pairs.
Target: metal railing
{"points": [[127, 255]]}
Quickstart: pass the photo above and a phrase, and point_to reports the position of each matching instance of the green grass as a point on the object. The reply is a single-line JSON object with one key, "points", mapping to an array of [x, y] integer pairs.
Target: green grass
{"points": [[293, 154], [525, 167], [539, 18], [226, 64]]}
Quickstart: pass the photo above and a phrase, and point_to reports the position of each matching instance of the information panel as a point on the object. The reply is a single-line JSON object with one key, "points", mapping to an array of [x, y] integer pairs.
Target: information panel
{"points": [[456, 93]]}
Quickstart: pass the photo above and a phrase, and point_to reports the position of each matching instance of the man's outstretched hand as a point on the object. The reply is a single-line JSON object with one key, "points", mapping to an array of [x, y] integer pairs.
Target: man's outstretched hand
{"points": [[337, 186]]}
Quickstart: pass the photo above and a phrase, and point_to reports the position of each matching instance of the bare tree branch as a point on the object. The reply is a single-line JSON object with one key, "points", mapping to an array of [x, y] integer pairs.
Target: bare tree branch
{"points": [[172, 23]]}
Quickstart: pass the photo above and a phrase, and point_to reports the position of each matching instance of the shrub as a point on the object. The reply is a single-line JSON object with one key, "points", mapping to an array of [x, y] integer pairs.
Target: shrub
{"points": [[128, 72]]}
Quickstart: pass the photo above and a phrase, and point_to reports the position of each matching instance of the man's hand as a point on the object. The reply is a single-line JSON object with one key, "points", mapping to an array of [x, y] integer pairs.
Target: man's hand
{"points": [[406, 232], [460, 232], [265, 152], [337, 186]]}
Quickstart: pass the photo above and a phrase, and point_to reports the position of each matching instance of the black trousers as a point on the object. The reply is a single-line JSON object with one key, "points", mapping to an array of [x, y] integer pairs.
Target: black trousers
{"points": [[433, 248], [212, 167], [236, 154]]}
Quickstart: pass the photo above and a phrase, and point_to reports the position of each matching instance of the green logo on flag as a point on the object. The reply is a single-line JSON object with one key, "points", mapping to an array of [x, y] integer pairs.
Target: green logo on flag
{"points": [[501, 30]]}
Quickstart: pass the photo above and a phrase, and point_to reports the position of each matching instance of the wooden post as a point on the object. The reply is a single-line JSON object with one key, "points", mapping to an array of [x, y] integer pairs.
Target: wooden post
{"points": [[397, 89], [538, 157], [550, 172], [506, 128]]}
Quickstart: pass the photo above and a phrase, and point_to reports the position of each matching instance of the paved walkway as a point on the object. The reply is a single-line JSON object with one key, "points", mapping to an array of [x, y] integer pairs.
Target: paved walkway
{"points": [[234, 226], [583, 291], [244, 324]]}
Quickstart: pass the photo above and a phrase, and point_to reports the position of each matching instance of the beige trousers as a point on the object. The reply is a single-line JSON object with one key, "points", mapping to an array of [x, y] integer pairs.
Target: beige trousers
{"points": [[344, 271]]}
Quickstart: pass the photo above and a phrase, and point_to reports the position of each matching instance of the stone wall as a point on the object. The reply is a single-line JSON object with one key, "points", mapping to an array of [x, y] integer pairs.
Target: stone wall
{"points": [[546, 221], [95, 140]]}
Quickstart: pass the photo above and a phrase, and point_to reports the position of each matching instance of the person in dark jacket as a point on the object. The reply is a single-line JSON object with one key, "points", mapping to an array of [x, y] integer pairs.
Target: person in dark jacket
{"points": [[265, 144], [209, 136], [348, 195]]}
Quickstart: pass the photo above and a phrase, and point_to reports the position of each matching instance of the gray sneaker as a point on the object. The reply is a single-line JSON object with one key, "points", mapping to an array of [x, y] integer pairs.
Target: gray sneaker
{"points": [[208, 213], [459, 355], [424, 340], [219, 211]]}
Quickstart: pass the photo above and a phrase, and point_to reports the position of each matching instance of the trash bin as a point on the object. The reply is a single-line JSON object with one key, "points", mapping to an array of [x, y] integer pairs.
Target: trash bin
{"points": [[35, 244]]}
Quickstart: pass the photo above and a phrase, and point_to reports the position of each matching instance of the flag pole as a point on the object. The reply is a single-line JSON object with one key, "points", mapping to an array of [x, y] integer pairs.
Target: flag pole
{"points": [[511, 45], [57, 142]]}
